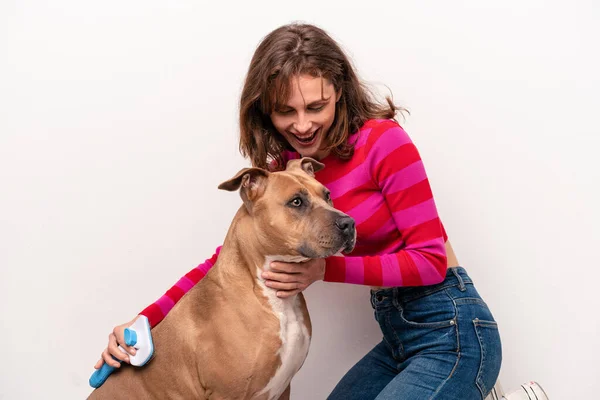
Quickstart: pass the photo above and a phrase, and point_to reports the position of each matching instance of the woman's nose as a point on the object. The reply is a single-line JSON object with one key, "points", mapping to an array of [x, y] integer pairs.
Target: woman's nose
{"points": [[302, 125]]}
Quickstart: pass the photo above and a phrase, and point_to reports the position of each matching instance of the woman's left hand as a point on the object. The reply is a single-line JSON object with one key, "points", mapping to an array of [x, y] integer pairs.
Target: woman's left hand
{"points": [[292, 278]]}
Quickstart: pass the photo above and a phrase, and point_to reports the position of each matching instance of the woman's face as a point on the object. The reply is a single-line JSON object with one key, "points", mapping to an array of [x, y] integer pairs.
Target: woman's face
{"points": [[307, 115]]}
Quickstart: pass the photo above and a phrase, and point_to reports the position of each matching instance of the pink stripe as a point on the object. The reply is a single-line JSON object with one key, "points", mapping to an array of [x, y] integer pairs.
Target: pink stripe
{"points": [[386, 228], [361, 138], [415, 215], [355, 270], [351, 180], [204, 267], [429, 275], [388, 142], [364, 210], [390, 271], [393, 248], [185, 284], [405, 178], [433, 246], [165, 303]]}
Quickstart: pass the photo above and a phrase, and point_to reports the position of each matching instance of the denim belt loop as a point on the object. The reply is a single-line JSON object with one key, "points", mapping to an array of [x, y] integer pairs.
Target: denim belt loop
{"points": [[461, 283], [373, 299], [395, 296]]}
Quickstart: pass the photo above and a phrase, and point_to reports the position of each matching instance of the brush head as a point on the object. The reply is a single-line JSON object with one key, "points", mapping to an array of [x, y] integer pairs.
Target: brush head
{"points": [[139, 334]]}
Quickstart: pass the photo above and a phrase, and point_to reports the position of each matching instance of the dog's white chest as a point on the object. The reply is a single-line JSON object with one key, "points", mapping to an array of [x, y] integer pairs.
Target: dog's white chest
{"points": [[295, 341]]}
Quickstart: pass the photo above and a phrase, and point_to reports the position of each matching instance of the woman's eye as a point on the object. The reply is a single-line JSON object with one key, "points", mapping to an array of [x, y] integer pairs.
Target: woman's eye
{"points": [[285, 112], [316, 109], [297, 202]]}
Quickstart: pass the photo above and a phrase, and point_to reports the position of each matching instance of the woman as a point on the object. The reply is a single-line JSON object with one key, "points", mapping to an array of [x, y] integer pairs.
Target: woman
{"points": [[302, 98]]}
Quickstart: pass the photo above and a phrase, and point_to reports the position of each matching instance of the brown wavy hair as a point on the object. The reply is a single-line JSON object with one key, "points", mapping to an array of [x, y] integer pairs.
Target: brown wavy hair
{"points": [[289, 51]]}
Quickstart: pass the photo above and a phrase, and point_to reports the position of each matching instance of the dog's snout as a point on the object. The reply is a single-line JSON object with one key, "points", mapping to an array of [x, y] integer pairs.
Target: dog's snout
{"points": [[345, 224]]}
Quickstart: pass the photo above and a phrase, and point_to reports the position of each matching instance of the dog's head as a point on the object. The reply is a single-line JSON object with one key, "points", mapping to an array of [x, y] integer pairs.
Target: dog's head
{"points": [[292, 212]]}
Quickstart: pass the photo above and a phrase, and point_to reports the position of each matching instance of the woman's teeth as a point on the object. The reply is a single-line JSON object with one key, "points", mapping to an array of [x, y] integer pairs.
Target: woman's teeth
{"points": [[306, 139]]}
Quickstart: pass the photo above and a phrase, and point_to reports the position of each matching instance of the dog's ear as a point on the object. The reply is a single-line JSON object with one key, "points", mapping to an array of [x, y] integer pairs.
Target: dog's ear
{"points": [[307, 164], [252, 182]]}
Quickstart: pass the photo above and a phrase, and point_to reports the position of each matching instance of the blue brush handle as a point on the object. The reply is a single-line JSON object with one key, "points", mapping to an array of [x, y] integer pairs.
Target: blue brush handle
{"points": [[101, 375]]}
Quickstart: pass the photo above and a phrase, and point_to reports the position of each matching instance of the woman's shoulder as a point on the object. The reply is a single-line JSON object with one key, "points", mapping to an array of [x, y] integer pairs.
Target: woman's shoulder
{"points": [[380, 123], [382, 132]]}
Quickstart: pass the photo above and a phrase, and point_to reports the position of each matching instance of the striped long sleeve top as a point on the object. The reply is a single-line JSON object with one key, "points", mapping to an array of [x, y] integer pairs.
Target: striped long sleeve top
{"points": [[384, 187]]}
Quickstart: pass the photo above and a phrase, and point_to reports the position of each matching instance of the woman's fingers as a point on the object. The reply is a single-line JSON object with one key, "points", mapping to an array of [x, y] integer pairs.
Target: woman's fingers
{"points": [[291, 278], [290, 268], [287, 293], [108, 359], [282, 277], [119, 333], [114, 350], [286, 285]]}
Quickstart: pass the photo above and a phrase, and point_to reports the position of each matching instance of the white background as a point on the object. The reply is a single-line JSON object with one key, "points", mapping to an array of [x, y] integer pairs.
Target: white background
{"points": [[118, 119]]}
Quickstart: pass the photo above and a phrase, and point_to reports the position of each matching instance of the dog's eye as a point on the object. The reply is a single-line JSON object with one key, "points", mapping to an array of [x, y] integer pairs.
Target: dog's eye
{"points": [[296, 202], [328, 197]]}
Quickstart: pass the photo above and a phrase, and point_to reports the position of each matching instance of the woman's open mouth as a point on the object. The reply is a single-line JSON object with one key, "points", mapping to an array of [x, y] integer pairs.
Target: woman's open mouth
{"points": [[307, 140]]}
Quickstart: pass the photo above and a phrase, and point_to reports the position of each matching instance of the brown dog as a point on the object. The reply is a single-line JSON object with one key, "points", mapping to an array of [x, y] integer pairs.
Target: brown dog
{"points": [[231, 337]]}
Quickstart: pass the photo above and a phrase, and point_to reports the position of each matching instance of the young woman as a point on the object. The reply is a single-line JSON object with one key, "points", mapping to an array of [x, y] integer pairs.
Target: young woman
{"points": [[302, 97]]}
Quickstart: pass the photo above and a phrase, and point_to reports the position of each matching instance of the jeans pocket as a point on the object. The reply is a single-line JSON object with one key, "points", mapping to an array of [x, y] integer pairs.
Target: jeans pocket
{"points": [[435, 310], [491, 354]]}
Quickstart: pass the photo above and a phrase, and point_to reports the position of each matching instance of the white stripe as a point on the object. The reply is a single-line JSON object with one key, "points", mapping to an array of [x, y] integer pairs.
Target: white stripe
{"points": [[295, 339]]}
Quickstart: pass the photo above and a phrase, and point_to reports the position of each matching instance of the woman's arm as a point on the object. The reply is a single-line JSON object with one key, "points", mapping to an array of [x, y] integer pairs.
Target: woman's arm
{"points": [[155, 313], [395, 166], [158, 310]]}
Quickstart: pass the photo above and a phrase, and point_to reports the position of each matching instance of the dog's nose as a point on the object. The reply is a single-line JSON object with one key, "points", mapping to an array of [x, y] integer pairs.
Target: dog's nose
{"points": [[345, 224]]}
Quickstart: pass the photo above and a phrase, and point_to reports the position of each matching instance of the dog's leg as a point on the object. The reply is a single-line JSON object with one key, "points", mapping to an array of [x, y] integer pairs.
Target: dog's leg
{"points": [[286, 394]]}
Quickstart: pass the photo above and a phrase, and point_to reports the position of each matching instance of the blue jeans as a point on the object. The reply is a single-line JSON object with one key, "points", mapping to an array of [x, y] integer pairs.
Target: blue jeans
{"points": [[439, 342]]}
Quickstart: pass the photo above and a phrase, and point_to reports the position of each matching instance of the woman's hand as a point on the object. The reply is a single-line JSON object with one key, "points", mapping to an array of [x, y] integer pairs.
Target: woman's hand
{"points": [[116, 338], [292, 278]]}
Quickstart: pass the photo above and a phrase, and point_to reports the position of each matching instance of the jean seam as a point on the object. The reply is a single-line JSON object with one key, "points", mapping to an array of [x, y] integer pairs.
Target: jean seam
{"points": [[390, 347], [455, 321], [448, 378], [400, 346], [477, 322], [387, 343], [458, 352], [384, 318]]}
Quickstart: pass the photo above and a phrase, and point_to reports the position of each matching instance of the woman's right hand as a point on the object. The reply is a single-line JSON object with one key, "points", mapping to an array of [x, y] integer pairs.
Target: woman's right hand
{"points": [[116, 338]]}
